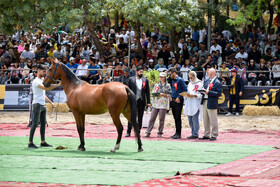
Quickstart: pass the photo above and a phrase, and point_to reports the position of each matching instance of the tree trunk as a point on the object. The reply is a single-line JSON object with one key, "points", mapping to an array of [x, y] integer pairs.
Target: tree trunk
{"points": [[117, 21], [137, 31], [270, 8], [278, 14], [108, 21], [174, 46], [103, 29], [92, 28]]}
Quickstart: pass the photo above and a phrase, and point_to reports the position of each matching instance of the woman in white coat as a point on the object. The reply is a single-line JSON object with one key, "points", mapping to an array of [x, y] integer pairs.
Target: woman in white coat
{"points": [[193, 103]]}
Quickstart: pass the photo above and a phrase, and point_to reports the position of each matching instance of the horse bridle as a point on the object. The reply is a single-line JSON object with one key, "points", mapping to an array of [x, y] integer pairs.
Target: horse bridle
{"points": [[52, 78]]}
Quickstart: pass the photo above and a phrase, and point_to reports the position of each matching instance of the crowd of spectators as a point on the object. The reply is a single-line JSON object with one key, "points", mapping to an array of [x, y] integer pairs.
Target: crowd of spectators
{"points": [[252, 52]]}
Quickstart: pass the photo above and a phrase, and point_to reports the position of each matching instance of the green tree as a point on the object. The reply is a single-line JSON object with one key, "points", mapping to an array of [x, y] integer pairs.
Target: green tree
{"points": [[168, 16], [19, 14], [253, 11]]}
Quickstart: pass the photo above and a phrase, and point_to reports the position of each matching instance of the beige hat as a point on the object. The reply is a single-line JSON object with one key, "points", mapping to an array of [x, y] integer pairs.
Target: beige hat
{"points": [[162, 74]]}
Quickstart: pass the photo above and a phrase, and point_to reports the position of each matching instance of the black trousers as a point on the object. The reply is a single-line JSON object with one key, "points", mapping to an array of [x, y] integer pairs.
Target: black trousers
{"points": [[234, 99], [140, 112], [39, 117], [177, 112], [275, 80]]}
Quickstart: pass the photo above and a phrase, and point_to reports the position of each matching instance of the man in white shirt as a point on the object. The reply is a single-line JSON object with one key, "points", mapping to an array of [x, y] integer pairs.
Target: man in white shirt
{"points": [[39, 106], [124, 36], [276, 75], [82, 70], [215, 47], [243, 55]]}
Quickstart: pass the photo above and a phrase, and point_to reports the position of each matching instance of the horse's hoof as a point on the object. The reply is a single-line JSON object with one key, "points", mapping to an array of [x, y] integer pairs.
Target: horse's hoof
{"points": [[81, 148], [140, 150], [112, 151]]}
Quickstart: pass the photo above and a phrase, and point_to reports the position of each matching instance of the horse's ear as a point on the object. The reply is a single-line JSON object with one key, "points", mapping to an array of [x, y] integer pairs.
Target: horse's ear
{"points": [[54, 60]]}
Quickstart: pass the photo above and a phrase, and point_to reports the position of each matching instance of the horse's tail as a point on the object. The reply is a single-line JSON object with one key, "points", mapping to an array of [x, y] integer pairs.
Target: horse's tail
{"points": [[133, 114]]}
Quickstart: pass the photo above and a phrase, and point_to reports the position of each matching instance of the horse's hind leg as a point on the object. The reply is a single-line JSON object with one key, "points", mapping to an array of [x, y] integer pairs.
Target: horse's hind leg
{"points": [[118, 124], [80, 121]]}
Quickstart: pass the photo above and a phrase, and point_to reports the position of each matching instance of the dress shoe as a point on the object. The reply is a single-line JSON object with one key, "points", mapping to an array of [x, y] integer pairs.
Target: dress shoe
{"points": [[127, 135], [213, 138], [176, 136], [192, 137], [204, 138]]}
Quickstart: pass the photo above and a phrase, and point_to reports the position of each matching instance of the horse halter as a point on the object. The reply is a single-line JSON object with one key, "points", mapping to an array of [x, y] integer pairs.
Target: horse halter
{"points": [[52, 78]]}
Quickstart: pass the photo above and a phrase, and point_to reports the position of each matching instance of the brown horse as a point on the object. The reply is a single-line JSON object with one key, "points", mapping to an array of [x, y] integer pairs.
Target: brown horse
{"points": [[83, 98]]}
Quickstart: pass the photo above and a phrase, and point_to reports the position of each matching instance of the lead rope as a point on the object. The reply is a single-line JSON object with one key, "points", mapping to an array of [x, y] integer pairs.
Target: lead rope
{"points": [[57, 103]]}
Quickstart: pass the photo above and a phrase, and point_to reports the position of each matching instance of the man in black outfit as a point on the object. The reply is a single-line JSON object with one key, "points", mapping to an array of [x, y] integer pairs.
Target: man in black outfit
{"points": [[140, 87]]}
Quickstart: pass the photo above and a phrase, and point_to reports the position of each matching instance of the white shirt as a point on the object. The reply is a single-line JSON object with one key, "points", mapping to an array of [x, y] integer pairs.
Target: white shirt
{"points": [[125, 38], [38, 93], [139, 83], [213, 48], [242, 56], [82, 70], [276, 68], [132, 35]]}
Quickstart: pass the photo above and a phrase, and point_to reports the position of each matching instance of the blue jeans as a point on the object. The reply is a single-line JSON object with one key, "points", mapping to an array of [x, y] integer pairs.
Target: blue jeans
{"points": [[194, 124]]}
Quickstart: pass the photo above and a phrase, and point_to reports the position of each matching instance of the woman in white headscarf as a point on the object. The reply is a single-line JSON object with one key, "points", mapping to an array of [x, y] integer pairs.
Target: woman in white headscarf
{"points": [[193, 103]]}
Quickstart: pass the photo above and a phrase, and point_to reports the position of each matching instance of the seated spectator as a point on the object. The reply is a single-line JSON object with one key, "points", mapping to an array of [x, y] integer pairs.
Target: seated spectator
{"points": [[224, 74], [252, 76], [229, 52], [117, 72], [261, 75], [82, 70], [72, 65], [255, 54], [51, 51], [26, 53], [268, 55], [276, 75], [124, 77], [105, 75], [185, 69], [243, 55], [93, 73], [160, 66], [41, 54], [151, 65], [16, 73], [4, 73], [198, 70]]}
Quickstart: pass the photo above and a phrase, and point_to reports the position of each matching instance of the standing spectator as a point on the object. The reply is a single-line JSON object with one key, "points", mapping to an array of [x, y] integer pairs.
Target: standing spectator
{"points": [[276, 75], [26, 53], [195, 35], [185, 52], [198, 70], [140, 87], [213, 90], [253, 35], [85, 52], [39, 107], [82, 70], [178, 86], [160, 104], [236, 87], [193, 103]]}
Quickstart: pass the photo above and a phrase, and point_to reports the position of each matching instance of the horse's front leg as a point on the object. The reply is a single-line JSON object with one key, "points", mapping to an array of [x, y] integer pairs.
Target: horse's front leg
{"points": [[80, 122]]}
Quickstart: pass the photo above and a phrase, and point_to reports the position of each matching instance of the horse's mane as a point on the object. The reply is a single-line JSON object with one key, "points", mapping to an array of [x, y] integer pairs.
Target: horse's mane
{"points": [[71, 76]]}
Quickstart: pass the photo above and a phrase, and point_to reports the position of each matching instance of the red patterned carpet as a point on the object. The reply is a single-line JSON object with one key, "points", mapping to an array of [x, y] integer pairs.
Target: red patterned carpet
{"points": [[258, 170]]}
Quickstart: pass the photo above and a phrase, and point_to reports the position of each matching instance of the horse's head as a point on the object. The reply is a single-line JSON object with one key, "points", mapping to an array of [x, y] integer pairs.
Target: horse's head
{"points": [[53, 73]]}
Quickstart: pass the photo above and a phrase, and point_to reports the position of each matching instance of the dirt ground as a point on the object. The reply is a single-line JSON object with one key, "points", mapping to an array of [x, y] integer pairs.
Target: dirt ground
{"points": [[242, 122]]}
